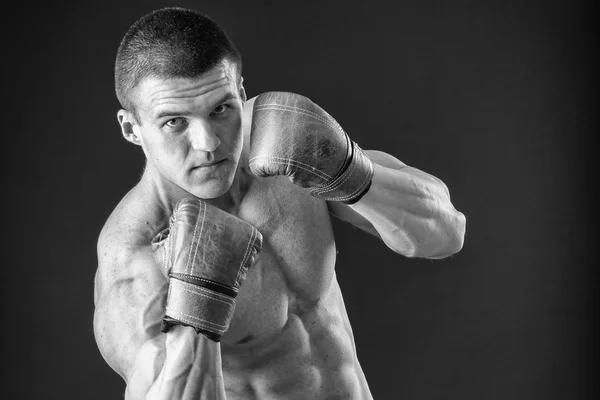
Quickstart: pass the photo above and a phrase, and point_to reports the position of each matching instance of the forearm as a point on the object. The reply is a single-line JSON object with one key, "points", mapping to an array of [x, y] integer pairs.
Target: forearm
{"points": [[410, 210], [412, 213], [187, 367]]}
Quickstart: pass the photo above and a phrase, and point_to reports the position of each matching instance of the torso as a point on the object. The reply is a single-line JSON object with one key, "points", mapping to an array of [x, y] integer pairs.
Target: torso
{"points": [[290, 337]]}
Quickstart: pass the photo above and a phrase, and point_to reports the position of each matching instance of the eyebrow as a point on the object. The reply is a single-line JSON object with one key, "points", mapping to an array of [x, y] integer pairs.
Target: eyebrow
{"points": [[171, 113], [223, 99], [168, 113]]}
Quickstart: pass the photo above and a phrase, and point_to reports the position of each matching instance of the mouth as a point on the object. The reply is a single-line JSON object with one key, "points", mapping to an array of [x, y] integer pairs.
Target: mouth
{"points": [[209, 165]]}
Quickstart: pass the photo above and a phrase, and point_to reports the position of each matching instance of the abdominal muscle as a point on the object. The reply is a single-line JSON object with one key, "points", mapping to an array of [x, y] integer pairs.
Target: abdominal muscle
{"points": [[312, 356]]}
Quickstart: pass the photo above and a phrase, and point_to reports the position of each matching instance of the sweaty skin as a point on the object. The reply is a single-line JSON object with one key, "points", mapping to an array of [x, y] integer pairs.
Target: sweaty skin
{"points": [[290, 337]]}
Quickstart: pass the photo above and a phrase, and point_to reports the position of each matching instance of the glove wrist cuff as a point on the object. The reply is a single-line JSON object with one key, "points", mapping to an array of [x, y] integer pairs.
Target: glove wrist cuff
{"points": [[206, 283], [203, 309], [352, 183]]}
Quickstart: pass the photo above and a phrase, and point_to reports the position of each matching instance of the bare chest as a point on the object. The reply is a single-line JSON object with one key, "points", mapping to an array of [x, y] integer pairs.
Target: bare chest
{"points": [[295, 266]]}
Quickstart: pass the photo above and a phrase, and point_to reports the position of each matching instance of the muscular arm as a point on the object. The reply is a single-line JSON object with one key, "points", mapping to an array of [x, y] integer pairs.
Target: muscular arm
{"points": [[180, 364], [408, 209]]}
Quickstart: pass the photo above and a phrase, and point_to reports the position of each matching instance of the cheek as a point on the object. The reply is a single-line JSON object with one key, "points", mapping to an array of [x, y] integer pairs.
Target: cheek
{"points": [[170, 148], [234, 133], [165, 151]]}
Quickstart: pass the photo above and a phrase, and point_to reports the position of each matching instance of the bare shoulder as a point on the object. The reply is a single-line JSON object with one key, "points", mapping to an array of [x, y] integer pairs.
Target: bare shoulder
{"points": [[130, 288], [126, 233]]}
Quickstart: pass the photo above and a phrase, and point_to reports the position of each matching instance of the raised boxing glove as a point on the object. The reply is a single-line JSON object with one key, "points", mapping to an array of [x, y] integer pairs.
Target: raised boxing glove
{"points": [[293, 136], [206, 253]]}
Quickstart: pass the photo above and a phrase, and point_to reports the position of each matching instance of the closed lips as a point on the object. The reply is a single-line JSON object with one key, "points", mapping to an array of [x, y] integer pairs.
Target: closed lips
{"points": [[209, 164]]}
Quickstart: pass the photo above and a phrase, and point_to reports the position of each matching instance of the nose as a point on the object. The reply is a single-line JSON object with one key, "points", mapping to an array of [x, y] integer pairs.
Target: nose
{"points": [[203, 137]]}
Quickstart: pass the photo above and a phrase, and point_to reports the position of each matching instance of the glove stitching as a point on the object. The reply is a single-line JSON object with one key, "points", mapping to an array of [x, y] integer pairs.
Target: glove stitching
{"points": [[193, 320], [353, 194], [246, 255], [200, 291], [197, 278], [289, 162], [167, 254], [203, 206], [368, 177], [328, 122], [364, 183], [282, 107], [340, 181], [214, 296], [292, 110], [169, 261]]}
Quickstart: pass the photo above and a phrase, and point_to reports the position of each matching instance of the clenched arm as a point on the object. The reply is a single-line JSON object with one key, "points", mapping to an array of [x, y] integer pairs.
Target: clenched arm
{"points": [[130, 305], [408, 209]]}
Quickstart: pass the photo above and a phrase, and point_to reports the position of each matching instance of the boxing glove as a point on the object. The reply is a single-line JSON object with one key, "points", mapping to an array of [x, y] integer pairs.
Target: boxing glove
{"points": [[292, 136], [206, 254]]}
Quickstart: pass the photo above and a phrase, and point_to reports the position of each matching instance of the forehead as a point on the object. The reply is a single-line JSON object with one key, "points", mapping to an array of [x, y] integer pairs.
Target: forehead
{"points": [[153, 94]]}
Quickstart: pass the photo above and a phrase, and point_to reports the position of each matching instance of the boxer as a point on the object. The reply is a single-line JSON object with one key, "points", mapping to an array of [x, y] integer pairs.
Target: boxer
{"points": [[216, 275]]}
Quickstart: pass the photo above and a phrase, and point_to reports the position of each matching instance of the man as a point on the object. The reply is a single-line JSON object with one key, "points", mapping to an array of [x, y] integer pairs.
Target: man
{"points": [[216, 271]]}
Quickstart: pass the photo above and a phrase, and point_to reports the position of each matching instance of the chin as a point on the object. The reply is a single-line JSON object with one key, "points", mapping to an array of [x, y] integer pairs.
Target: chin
{"points": [[211, 190], [213, 184]]}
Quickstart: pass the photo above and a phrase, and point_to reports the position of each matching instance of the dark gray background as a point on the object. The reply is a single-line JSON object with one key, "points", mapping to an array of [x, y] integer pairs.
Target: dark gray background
{"points": [[496, 99]]}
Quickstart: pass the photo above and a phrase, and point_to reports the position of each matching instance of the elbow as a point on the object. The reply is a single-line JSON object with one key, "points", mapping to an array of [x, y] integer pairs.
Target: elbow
{"points": [[457, 238], [436, 239], [451, 237], [441, 239]]}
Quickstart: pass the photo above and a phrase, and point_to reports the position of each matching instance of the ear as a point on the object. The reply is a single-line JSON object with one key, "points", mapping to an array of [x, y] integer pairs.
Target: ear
{"points": [[128, 124]]}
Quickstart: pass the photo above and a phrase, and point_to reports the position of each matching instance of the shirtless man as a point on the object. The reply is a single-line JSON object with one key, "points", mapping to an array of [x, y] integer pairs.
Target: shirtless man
{"points": [[232, 212]]}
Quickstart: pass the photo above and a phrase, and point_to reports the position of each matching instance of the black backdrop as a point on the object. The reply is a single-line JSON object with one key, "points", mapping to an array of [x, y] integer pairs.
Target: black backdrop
{"points": [[496, 99]]}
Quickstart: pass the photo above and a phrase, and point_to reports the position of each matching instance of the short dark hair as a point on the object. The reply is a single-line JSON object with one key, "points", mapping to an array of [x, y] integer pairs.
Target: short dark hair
{"points": [[171, 42]]}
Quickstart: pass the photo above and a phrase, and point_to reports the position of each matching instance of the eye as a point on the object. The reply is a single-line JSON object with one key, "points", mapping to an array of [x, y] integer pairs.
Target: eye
{"points": [[175, 122], [220, 109]]}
